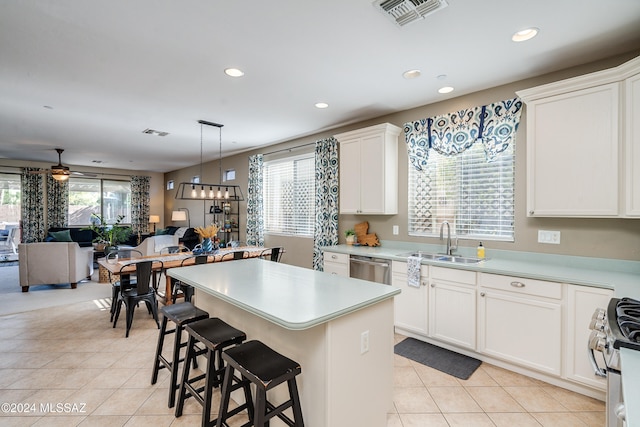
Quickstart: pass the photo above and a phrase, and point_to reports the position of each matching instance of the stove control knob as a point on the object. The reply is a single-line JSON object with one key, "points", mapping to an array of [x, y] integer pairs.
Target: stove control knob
{"points": [[598, 341], [599, 314], [620, 411], [597, 324]]}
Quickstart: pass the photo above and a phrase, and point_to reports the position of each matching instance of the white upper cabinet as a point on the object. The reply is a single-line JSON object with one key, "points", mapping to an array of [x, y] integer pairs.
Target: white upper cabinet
{"points": [[632, 145], [578, 131], [369, 170]]}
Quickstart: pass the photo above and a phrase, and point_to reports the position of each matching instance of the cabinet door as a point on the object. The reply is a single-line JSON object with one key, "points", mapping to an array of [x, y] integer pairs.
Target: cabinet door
{"points": [[372, 174], [572, 154], [350, 184], [452, 313], [582, 302], [411, 304], [522, 330], [632, 146]]}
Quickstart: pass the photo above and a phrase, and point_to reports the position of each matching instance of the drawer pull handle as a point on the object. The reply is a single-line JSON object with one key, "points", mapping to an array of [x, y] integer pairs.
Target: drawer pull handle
{"points": [[334, 257], [517, 284], [482, 294], [433, 285]]}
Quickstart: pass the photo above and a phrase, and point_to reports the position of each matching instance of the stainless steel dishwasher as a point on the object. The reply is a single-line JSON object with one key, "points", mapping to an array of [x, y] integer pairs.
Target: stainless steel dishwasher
{"points": [[368, 268]]}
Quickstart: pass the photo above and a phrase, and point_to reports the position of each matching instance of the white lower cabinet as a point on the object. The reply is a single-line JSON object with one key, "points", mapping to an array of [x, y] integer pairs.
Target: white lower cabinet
{"points": [[411, 303], [582, 301], [335, 263], [452, 306], [520, 321]]}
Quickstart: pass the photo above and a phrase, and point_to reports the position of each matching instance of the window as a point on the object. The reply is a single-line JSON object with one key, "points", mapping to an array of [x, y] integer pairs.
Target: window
{"points": [[474, 196], [10, 201], [108, 198], [289, 195]]}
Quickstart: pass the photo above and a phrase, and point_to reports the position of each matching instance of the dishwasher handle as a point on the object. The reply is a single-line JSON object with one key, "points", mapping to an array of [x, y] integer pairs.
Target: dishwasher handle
{"points": [[376, 263]]}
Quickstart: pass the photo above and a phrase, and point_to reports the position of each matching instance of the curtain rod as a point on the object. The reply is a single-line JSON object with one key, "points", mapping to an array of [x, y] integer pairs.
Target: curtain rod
{"points": [[289, 149]]}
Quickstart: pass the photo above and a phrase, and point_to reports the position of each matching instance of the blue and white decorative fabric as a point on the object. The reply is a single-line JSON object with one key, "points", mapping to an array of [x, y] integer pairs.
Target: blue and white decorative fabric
{"points": [[255, 204], [414, 264], [326, 223], [453, 133]]}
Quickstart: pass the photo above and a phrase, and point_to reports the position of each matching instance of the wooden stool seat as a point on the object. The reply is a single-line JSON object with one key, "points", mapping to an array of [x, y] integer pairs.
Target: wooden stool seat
{"points": [[265, 368], [180, 314], [215, 335]]}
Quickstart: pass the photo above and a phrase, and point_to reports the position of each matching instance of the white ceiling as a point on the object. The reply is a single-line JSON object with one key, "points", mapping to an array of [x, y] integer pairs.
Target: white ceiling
{"points": [[110, 69]]}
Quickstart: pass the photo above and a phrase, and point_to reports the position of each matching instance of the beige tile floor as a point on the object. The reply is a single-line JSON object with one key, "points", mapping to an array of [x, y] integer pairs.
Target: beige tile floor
{"points": [[66, 366]]}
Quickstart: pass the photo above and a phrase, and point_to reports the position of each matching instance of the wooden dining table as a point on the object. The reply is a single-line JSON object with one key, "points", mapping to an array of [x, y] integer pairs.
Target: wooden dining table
{"points": [[166, 261]]}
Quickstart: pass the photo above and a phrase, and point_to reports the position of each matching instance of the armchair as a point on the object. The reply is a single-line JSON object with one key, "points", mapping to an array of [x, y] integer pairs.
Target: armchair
{"points": [[53, 263]]}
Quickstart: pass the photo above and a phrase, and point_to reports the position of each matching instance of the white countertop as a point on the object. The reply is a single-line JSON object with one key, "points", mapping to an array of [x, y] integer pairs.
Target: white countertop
{"points": [[292, 297], [621, 276]]}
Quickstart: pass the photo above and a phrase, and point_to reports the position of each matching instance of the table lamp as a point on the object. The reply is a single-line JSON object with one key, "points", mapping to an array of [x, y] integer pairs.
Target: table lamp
{"points": [[154, 219], [182, 214]]}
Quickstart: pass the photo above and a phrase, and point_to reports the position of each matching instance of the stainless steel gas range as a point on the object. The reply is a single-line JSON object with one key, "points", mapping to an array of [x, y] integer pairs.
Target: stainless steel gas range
{"points": [[612, 328]]}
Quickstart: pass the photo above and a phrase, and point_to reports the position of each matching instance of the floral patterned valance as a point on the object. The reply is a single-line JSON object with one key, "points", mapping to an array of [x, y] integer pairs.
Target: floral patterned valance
{"points": [[450, 134]]}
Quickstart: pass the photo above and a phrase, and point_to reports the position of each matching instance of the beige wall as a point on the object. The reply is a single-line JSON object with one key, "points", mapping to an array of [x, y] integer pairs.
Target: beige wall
{"points": [[156, 191], [606, 238]]}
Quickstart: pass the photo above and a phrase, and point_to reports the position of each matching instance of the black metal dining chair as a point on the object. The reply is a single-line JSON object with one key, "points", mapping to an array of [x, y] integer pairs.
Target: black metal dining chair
{"points": [[129, 280], [272, 254], [143, 291], [179, 288], [173, 250]]}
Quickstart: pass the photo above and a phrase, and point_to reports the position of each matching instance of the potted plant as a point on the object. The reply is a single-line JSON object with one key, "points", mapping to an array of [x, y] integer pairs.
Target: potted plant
{"points": [[350, 234], [109, 235]]}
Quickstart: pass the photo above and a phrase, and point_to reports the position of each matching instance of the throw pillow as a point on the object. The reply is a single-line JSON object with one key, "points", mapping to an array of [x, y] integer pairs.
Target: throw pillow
{"points": [[61, 236], [161, 231]]}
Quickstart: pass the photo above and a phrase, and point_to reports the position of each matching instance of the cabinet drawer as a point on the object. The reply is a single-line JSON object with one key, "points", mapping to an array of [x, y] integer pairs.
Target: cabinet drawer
{"points": [[521, 286], [401, 268], [453, 275], [336, 258]]}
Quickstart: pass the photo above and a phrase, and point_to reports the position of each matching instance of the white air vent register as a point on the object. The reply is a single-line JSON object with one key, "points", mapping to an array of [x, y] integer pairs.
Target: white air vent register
{"points": [[403, 12]]}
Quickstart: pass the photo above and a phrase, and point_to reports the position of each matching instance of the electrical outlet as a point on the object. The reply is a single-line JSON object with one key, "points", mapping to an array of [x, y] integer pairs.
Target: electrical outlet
{"points": [[364, 342], [396, 230], [549, 237]]}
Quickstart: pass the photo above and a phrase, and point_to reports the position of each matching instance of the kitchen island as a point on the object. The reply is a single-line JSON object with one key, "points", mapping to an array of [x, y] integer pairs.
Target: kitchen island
{"points": [[339, 329]]}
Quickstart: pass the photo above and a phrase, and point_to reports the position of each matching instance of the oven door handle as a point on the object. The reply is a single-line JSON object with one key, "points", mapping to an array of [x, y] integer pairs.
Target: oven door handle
{"points": [[600, 372]]}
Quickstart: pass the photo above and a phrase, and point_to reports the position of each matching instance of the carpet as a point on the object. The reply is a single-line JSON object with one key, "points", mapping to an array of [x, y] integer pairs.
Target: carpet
{"points": [[447, 361]]}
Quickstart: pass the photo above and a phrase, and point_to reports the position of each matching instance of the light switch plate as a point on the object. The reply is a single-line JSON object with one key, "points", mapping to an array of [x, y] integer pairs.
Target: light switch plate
{"points": [[549, 237], [396, 230]]}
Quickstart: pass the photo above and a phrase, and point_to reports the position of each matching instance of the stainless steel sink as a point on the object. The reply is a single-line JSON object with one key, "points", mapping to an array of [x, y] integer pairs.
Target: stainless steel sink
{"points": [[443, 257]]}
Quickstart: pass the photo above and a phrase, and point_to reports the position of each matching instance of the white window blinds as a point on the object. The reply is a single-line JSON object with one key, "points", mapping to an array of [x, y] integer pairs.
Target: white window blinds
{"points": [[288, 195], [473, 195]]}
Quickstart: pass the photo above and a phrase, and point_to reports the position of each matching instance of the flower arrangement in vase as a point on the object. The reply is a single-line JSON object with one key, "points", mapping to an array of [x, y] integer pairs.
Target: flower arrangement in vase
{"points": [[208, 234]]}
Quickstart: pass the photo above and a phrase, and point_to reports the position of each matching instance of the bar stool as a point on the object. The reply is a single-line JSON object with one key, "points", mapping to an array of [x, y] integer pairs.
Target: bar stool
{"points": [[215, 335], [266, 369], [180, 314]]}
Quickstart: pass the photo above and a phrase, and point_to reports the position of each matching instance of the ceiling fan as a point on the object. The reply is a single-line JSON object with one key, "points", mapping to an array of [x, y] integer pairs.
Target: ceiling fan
{"points": [[60, 172]]}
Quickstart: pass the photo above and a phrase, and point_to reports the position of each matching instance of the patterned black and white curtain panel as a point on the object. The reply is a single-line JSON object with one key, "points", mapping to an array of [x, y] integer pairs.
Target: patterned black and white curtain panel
{"points": [[140, 186], [33, 226], [255, 204], [326, 223], [450, 134], [57, 202]]}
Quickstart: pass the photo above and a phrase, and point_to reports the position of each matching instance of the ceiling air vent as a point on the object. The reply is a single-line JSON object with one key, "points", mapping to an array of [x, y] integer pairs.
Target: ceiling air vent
{"points": [[403, 12]]}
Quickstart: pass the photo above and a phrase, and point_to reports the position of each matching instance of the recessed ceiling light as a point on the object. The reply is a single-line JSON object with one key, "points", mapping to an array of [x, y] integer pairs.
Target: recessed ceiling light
{"points": [[233, 72], [48, 107], [411, 74], [321, 105], [524, 35], [445, 89]]}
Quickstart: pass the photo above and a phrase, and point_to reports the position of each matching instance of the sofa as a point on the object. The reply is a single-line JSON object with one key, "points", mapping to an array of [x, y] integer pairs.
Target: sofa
{"points": [[153, 244], [49, 263], [82, 237]]}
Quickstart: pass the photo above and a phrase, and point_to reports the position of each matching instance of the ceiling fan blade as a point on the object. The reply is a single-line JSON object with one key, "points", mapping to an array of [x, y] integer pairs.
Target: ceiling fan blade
{"points": [[87, 174]]}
